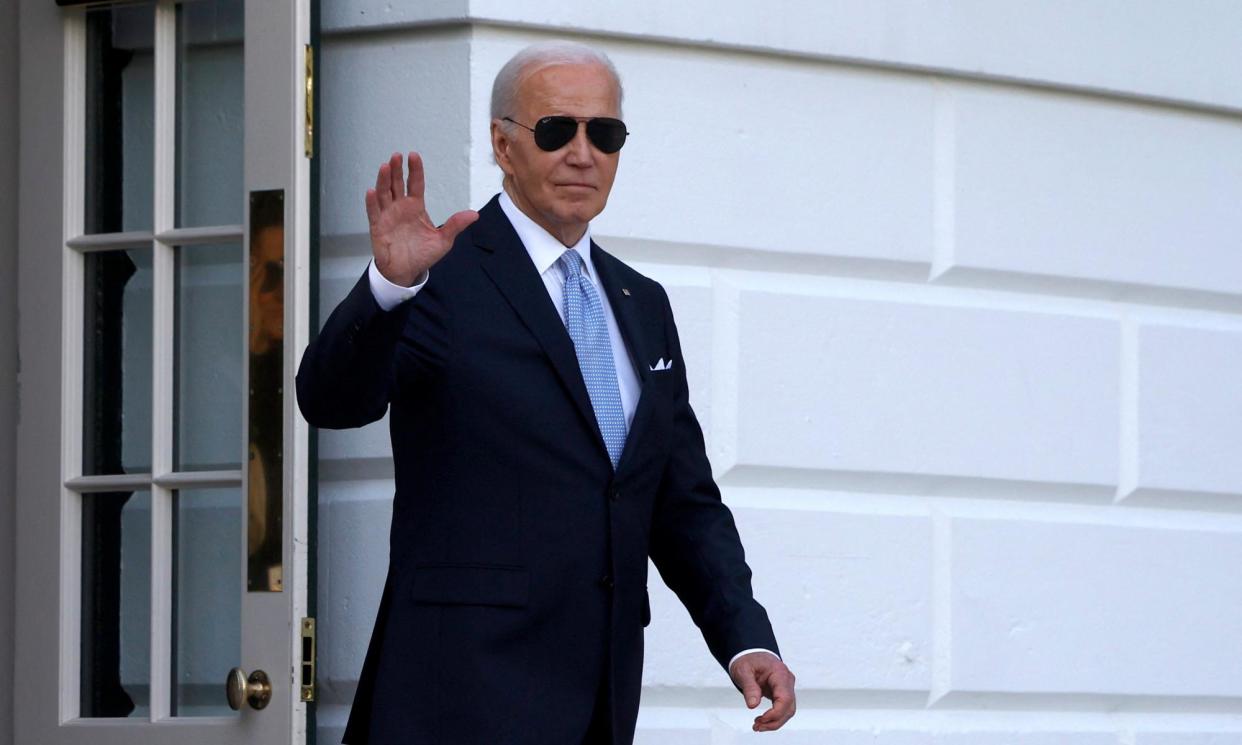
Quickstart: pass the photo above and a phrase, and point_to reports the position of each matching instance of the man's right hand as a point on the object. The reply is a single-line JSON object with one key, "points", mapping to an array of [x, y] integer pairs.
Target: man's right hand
{"points": [[403, 238]]}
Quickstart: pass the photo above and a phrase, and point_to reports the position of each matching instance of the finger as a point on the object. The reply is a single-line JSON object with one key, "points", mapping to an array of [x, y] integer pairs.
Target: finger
{"points": [[373, 208], [416, 183], [783, 705], [383, 189], [457, 223], [397, 182]]}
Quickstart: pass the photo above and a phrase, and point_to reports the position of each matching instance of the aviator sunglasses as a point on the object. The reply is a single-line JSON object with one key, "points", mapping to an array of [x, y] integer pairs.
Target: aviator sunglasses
{"points": [[554, 132]]}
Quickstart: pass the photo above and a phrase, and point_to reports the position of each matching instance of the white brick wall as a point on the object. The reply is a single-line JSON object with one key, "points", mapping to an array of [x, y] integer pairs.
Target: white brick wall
{"points": [[1076, 187], [897, 387], [1102, 609], [1189, 410], [960, 290]]}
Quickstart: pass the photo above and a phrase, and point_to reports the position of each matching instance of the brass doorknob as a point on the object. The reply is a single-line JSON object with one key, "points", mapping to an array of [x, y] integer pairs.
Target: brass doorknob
{"points": [[255, 690]]}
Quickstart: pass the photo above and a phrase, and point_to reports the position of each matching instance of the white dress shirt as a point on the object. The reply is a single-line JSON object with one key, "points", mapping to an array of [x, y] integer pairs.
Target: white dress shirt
{"points": [[544, 249]]}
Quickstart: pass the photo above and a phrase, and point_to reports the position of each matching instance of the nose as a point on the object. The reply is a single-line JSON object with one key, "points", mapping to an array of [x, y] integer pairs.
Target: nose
{"points": [[579, 153]]}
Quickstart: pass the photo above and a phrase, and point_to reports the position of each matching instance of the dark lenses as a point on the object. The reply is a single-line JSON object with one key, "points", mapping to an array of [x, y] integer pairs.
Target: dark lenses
{"points": [[607, 134], [554, 132]]}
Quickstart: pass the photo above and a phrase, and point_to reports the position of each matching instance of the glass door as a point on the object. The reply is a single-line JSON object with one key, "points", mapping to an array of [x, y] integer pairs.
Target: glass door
{"points": [[162, 481]]}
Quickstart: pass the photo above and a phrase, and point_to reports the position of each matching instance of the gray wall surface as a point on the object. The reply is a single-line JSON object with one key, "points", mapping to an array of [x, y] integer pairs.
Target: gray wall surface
{"points": [[8, 353]]}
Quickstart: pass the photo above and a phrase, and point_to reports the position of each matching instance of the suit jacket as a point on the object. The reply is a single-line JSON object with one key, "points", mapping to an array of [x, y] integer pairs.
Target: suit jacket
{"points": [[517, 576]]}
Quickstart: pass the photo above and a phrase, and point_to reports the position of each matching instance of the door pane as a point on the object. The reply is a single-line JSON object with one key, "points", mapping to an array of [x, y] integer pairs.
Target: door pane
{"points": [[209, 113], [116, 416], [116, 604], [207, 577], [209, 362], [120, 118]]}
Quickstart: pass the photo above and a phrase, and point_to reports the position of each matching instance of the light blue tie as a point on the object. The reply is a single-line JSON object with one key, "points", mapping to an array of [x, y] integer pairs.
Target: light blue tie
{"points": [[584, 317]]}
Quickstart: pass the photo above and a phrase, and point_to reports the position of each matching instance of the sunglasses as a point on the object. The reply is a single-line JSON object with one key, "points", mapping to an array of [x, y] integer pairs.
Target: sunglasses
{"points": [[555, 132]]}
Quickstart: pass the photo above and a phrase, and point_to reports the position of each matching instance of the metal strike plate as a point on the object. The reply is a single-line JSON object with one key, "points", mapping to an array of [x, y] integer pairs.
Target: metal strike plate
{"points": [[308, 659]]}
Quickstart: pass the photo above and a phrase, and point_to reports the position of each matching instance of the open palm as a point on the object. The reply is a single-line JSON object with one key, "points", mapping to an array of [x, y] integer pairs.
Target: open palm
{"points": [[403, 239]]}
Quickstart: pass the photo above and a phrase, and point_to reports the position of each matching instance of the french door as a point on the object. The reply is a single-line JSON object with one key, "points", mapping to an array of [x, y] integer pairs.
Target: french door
{"points": [[162, 514]]}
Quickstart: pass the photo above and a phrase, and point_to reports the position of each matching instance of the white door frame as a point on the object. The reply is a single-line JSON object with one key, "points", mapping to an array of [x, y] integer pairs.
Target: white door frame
{"points": [[50, 291]]}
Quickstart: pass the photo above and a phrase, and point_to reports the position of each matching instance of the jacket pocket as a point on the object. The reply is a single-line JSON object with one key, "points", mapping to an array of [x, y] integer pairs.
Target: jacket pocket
{"points": [[471, 584]]}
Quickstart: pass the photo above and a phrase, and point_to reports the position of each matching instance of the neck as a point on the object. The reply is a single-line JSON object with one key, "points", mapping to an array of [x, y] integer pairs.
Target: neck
{"points": [[568, 235]]}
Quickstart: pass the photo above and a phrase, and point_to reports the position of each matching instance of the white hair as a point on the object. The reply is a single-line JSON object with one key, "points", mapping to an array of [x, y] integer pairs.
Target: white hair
{"points": [[536, 57]]}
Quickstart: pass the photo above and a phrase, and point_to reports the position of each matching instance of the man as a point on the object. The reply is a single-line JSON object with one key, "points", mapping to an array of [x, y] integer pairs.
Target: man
{"points": [[543, 443]]}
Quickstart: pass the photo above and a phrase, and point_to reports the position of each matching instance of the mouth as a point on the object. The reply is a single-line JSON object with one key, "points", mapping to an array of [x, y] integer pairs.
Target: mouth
{"points": [[576, 185]]}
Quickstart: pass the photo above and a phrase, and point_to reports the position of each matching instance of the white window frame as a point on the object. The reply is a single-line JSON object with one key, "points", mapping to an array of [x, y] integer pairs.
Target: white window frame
{"points": [[50, 482]]}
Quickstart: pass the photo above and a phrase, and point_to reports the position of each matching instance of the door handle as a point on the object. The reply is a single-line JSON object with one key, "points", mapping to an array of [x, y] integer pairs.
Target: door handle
{"points": [[255, 690]]}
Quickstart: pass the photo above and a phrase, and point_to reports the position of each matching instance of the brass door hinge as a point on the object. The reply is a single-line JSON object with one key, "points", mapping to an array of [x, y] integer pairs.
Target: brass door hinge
{"points": [[308, 659], [310, 101]]}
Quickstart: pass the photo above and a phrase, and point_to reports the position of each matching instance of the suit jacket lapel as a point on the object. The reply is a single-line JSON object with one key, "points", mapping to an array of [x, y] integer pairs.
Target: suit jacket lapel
{"points": [[509, 267]]}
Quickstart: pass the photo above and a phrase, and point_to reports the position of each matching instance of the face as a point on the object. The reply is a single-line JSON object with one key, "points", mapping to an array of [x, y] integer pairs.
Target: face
{"points": [[564, 189]]}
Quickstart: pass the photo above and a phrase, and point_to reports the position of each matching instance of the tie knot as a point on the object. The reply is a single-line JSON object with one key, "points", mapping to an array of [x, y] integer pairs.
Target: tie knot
{"points": [[571, 264]]}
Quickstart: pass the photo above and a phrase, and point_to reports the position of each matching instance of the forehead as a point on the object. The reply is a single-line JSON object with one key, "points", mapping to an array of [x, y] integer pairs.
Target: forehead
{"points": [[576, 89]]}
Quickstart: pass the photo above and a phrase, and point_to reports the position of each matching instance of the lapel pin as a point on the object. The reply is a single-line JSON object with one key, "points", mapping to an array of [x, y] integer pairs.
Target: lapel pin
{"points": [[625, 291]]}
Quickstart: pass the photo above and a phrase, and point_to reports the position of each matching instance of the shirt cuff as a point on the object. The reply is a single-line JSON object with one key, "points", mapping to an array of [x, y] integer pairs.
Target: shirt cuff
{"points": [[748, 651], [388, 295]]}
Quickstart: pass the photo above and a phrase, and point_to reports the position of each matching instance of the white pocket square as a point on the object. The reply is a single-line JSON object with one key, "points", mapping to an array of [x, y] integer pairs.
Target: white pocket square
{"points": [[662, 365]]}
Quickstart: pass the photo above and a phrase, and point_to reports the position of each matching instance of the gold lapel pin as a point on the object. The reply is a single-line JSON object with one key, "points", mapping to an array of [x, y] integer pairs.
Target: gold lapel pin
{"points": [[625, 291]]}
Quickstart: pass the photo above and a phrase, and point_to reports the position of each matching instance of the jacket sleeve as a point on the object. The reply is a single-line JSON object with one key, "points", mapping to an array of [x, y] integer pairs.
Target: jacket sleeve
{"points": [[694, 541], [364, 354]]}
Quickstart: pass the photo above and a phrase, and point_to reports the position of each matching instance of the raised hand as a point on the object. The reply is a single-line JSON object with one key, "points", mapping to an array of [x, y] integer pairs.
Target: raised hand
{"points": [[760, 674], [403, 239]]}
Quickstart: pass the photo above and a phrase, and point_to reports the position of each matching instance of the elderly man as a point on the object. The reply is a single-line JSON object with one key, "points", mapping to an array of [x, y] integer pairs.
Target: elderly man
{"points": [[543, 442]]}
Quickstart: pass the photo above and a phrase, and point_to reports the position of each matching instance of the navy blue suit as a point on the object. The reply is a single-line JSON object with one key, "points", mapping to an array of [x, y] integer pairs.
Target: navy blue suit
{"points": [[517, 577]]}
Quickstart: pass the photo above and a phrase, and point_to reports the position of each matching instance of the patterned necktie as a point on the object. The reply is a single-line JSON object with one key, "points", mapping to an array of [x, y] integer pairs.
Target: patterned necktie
{"points": [[584, 317]]}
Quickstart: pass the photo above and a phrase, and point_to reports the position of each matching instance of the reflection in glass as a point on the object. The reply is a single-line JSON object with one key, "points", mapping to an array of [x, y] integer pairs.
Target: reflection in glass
{"points": [[116, 376], [264, 486], [207, 575], [120, 118], [116, 604], [209, 113], [209, 358]]}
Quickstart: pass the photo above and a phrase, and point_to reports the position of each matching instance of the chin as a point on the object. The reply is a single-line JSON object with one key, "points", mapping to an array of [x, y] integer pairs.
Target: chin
{"points": [[580, 211]]}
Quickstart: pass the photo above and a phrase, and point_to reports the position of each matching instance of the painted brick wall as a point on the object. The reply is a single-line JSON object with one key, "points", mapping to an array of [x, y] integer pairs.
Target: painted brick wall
{"points": [[960, 287]]}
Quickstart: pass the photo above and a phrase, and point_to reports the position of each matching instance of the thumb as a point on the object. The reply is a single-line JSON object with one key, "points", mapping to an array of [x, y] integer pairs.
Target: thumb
{"points": [[750, 687], [457, 223]]}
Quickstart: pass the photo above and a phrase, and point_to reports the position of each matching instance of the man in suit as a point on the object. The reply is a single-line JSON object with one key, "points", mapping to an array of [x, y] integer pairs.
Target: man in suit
{"points": [[543, 443]]}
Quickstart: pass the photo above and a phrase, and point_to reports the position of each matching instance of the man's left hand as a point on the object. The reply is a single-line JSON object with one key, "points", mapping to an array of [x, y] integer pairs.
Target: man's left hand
{"points": [[761, 674]]}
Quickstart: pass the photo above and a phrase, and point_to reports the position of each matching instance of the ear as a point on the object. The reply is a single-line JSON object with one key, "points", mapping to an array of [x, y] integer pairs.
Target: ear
{"points": [[500, 147]]}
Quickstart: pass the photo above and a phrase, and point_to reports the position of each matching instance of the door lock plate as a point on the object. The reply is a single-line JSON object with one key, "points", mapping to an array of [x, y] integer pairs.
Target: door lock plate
{"points": [[308, 659]]}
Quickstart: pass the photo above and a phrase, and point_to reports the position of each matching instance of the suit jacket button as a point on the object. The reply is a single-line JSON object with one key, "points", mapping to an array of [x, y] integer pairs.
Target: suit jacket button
{"points": [[606, 582], [614, 493]]}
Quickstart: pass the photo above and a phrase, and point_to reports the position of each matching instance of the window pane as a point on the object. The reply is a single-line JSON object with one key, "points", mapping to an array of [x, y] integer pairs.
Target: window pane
{"points": [[116, 604], [116, 380], [120, 116], [207, 576], [209, 113], [209, 363]]}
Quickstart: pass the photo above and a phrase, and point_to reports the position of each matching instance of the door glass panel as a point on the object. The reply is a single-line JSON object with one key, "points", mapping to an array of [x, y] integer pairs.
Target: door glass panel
{"points": [[120, 118], [116, 381], [116, 604], [207, 576], [209, 363], [209, 112]]}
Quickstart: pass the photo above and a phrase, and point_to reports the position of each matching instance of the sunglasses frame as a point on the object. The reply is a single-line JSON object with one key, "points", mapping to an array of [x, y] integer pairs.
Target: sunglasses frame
{"points": [[588, 121]]}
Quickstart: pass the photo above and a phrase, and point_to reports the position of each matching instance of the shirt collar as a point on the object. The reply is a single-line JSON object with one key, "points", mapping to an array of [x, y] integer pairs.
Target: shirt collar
{"points": [[543, 247]]}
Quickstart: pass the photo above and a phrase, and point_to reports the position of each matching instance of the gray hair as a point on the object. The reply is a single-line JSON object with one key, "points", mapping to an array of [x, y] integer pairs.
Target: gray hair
{"points": [[536, 57]]}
